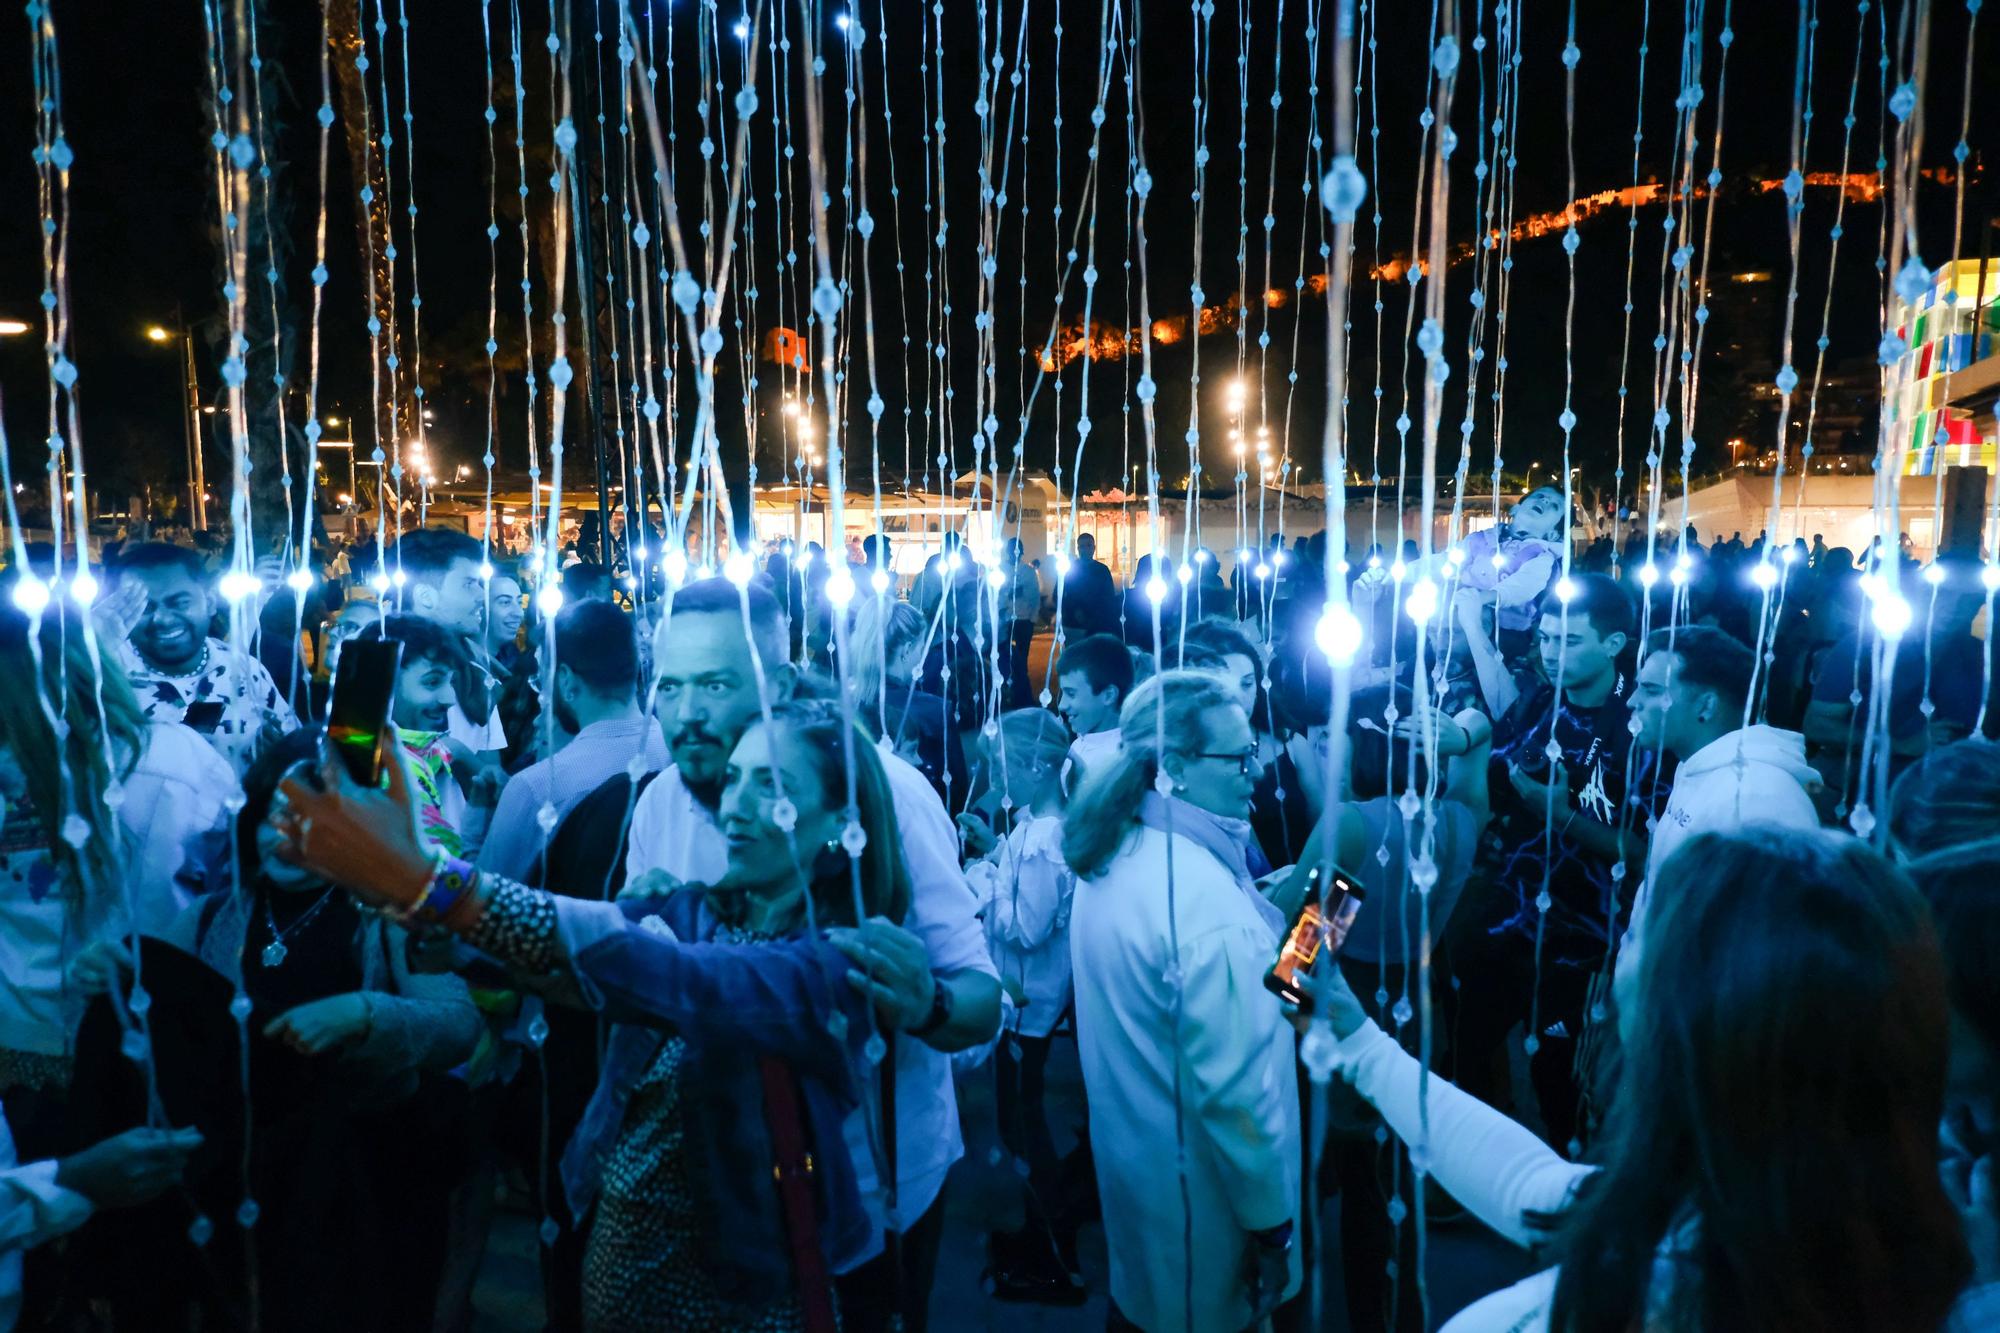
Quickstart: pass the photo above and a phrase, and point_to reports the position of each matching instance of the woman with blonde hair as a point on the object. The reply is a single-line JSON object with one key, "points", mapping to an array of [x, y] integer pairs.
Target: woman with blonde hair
{"points": [[1186, 1057]]}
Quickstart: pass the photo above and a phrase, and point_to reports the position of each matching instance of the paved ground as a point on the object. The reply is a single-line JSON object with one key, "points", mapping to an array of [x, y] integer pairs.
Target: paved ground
{"points": [[1465, 1261]]}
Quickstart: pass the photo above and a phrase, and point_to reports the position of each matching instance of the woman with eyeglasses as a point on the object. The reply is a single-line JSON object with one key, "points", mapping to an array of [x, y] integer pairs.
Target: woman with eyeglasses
{"points": [[1181, 1044]]}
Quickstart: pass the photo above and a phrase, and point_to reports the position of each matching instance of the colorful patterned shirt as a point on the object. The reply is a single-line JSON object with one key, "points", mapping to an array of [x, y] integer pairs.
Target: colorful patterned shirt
{"points": [[250, 701]]}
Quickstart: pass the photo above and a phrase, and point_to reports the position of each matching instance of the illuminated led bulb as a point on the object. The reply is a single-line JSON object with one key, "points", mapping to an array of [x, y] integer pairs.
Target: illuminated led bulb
{"points": [[1263, 570], [379, 581], [1789, 554], [1399, 571], [399, 578], [1891, 615], [1338, 635], [83, 588], [1422, 603], [238, 584], [1374, 562], [1062, 564], [631, 584], [1990, 577], [840, 588], [1765, 576], [1185, 575], [299, 579], [1679, 576], [1934, 575], [675, 567], [1156, 588], [955, 563], [996, 580], [549, 600], [486, 566], [1278, 559], [1648, 575], [739, 568], [1499, 561], [1565, 590], [1201, 557], [31, 594], [640, 553], [1456, 555], [879, 580]]}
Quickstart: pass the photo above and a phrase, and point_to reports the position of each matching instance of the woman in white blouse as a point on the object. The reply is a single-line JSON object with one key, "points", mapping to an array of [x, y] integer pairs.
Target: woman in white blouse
{"points": [[1769, 1160], [1187, 1060]]}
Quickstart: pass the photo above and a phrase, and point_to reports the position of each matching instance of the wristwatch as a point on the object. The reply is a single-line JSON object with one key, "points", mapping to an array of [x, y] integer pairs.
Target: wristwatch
{"points": [[940, 1013]]}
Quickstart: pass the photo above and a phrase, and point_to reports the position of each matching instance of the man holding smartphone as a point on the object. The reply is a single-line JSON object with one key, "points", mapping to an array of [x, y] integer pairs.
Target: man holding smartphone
{"points": [[714, 668]]}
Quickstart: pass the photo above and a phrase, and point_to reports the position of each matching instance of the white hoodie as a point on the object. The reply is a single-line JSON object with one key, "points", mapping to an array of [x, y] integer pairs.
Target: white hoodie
{"points": [[1757, 775]]}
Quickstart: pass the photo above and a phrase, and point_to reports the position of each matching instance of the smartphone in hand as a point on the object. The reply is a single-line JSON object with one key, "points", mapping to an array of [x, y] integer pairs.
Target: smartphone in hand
{"points": [[1318, 932], [357, 722]]}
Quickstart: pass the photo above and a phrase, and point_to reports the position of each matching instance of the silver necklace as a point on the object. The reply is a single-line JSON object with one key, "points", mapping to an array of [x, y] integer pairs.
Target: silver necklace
{"points": [[274, 952]]}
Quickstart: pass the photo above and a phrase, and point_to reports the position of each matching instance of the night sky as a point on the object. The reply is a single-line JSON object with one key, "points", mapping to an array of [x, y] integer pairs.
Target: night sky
{"points": [[144, 236]]}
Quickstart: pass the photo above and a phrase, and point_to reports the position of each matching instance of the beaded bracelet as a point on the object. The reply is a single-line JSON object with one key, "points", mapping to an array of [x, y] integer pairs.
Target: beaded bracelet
{"points": [[452, 881]]}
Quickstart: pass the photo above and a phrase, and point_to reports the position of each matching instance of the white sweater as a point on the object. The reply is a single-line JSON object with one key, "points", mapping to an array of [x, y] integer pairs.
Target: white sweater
{"points": [[1494, 1166]]}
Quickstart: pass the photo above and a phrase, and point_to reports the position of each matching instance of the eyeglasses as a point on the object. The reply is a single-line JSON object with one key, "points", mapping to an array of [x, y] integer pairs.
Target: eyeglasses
{"points": [[1245, 760]]}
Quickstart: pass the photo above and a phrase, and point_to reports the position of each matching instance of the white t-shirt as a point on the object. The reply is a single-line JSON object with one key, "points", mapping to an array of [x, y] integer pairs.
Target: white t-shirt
{"points": [[472, 735], [673, 832], [1092, 754]]}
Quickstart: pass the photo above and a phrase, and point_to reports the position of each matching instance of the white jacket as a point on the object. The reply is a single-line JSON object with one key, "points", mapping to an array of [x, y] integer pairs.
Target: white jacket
{"points": [[1757, 775], [176, 791], [1025, 889], [1227, 1047]]}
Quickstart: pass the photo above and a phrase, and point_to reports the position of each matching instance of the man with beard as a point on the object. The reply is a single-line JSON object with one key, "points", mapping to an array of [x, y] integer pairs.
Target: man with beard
{"points": [[710, 668], [596, 702], [162, 607]]}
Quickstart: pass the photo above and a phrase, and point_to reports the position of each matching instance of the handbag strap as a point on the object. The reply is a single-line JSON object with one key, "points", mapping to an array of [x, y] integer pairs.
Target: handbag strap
{"points": [[793, 1169]]}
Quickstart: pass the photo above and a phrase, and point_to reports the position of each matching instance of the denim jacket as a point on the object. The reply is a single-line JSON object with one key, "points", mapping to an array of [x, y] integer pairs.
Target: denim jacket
{"points": [[731, 1004]]}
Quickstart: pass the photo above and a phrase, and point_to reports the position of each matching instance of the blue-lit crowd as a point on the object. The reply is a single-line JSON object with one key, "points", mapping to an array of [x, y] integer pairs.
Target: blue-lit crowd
{"points": [[693, 926]]}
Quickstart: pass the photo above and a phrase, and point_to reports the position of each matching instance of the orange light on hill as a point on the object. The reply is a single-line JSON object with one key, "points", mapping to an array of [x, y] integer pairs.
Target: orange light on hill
{"points": [[1099, 344]]}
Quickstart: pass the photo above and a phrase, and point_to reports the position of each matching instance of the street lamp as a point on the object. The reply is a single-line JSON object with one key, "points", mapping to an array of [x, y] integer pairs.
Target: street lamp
{"points": [[197, 486]]}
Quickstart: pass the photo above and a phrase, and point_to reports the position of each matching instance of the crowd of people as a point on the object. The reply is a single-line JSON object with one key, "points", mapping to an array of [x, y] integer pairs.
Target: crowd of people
{"points": [[685, 920]]}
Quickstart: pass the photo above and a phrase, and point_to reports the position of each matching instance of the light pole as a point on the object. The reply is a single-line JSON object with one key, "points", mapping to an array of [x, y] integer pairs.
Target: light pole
{"points": [[197, 487]]}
